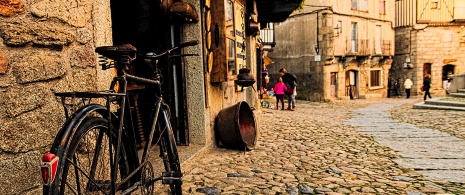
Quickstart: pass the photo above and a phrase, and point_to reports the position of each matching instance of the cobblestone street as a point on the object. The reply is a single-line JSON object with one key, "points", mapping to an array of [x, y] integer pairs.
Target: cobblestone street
{"points": [[323, 148]]}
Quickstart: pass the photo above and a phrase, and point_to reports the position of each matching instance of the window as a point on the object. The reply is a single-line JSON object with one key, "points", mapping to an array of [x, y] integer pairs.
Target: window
{"points": [[353, 38], [354, 4], [375, 78], [228, 50], [230, 36], [338, 27], [382, 7], [434, 4], [361, 5], [378, 34]]}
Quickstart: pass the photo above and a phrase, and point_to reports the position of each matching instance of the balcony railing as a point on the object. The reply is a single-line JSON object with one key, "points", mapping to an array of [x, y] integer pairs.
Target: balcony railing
{"points": [[361, 47], [267, 37], [357, 47]]}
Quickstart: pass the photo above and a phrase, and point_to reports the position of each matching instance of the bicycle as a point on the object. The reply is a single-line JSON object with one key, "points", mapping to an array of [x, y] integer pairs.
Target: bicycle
{"points": [[96, 150]]}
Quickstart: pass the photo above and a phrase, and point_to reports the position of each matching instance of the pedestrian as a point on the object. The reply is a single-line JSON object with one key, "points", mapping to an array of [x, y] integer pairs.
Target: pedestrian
{"points": [[389, 88], [397, 87], [427, 86], [408, 85], [290, 80], [279, 89]]}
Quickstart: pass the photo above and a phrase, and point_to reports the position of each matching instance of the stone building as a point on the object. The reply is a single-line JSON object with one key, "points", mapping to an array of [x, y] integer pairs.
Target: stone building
{"points": [[48, 46], [337, 49], [430, 39]]}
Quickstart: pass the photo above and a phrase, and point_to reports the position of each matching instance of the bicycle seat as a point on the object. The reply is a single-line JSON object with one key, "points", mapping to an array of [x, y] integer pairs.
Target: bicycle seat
{"points": [[115, 52]]}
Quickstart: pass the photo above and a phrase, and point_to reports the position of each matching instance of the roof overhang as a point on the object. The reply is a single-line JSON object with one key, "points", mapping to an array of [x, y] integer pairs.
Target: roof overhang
{"points": [[275, 10]]}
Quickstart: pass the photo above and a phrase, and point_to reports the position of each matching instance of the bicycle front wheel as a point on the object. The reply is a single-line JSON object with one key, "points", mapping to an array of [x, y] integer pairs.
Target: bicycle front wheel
{"points": [[169, 153], [87, 168]]}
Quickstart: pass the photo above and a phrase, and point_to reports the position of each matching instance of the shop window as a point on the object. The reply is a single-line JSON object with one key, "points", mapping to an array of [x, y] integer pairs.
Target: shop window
{"points": [[228, 19]]}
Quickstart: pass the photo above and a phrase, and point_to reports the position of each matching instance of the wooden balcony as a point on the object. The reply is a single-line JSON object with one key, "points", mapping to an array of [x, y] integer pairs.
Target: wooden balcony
{"points": [[362, 47], [357, 47]]}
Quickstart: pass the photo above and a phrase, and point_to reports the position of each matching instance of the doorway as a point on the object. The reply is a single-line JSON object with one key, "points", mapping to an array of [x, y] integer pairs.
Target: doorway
{"points": [[351, 84], [333, 85], [146, 25], [447, 71], [426, 69]]}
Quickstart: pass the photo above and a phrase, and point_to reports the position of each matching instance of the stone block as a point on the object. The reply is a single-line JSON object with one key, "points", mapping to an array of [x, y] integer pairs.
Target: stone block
{"points": [[20, 173], [40, 34], [77, 80], [10, 7], [3, 62], [83, 57], [75, 13], [83, 35], [39, 67], [31, 130], [20, 99]]}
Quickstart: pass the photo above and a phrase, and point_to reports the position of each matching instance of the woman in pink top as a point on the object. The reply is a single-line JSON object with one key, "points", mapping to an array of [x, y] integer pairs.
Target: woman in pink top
{"points": [[279, 89]]}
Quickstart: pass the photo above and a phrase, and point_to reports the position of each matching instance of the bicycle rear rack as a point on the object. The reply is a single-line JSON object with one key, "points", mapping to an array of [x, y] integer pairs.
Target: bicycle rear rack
{"points": [[85, 98]]}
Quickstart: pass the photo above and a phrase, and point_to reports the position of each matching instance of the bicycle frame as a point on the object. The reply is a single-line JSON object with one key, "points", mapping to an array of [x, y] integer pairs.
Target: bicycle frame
{"points": [[122, 80]]}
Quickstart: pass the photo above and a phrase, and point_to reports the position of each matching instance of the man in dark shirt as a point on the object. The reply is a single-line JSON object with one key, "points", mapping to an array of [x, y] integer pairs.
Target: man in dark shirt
{"points": [[290, 80]]}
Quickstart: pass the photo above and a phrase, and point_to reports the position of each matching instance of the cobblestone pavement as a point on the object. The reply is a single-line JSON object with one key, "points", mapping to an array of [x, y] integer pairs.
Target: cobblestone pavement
{"points": [[313, 151]]}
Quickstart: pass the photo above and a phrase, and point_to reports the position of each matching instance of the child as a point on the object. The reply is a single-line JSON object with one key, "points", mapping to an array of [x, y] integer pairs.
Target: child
{"points": [[279, 89]]}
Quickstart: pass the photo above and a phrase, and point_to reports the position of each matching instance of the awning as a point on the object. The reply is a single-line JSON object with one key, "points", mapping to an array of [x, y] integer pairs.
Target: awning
{"points": [[267, 61], [275, 10]]}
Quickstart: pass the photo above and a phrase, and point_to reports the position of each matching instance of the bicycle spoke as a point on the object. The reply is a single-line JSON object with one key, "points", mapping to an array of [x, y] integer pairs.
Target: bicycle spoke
{"points": [[77, 174], [91, 181], [96, 154], [71, 188]]}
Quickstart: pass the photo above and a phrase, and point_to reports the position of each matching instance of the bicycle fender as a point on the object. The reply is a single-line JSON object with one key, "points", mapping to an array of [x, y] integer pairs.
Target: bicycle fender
{"points": [[67, 130], [64, 136]]}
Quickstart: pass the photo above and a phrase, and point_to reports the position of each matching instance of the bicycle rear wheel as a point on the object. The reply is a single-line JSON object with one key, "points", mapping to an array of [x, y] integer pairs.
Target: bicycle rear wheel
{"points": [[87, 167]]}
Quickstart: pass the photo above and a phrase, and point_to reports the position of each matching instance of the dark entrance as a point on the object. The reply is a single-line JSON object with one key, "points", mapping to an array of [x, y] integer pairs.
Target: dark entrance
{"points": [[447, 71], [147, 25]]}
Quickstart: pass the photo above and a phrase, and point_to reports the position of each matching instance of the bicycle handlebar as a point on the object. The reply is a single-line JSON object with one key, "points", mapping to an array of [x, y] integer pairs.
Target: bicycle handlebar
{"points": [[152, 55], [189, 43]]}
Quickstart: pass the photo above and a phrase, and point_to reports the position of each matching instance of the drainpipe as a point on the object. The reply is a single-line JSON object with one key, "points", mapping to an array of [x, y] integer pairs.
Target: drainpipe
{"points": [[317, 47]]}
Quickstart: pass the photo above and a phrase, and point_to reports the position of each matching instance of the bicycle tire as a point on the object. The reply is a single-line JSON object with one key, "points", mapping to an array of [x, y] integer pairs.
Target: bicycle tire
{"points": [[85, 171], [168, 150]]}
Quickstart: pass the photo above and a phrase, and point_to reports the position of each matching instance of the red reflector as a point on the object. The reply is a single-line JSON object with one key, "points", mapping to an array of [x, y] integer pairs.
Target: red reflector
{"points": [[48, 168]]}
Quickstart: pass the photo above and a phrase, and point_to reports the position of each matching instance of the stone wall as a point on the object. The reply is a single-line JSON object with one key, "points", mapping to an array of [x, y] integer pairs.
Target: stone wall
{"points": [[45, 47], [435, 45]]}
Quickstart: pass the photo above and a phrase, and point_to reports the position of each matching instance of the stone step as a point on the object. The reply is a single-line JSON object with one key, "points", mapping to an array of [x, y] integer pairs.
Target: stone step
{"points": [[444, 102], [423, 105], [461, 95], [461, 90]]}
